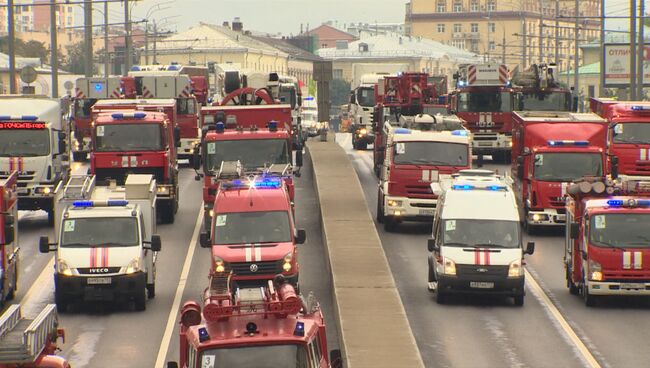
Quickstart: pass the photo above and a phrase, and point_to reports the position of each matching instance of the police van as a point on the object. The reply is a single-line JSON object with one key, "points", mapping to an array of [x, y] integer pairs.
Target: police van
{"points": [[476, 245]]}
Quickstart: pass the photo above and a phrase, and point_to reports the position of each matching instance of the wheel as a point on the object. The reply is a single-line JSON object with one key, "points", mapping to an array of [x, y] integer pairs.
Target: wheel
{"points": [[141, 300], [440, 297], [166, 213], [50, 218], [390, 224], [519, 300], [380, 209], [573, 288], [60, 301], [590, 300], [363, 146], [12, 292], [432, 275], [151, 291]]}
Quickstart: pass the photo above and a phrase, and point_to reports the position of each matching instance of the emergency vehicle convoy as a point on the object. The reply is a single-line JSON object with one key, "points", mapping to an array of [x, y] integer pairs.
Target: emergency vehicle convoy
{"points": [[257, 136], [629, 133], [138, 142], [607, 241], [253, 229], [8, 238], [416, 154], [483, 98], [105, 241], [266, 327], [33, 141], [30, 342], [536, 89], [551, 150], [477, 251], [362, 103]]}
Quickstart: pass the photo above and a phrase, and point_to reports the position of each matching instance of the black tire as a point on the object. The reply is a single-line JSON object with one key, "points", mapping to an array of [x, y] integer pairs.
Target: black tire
{"points": [[390, 224], [166, 213], [441, 298], [12, 292], [61, 302], [432, 275], [380, 209], [151, 290], [519, 300], [573, 288], [590, 300], [140, 300], [363, 146]]}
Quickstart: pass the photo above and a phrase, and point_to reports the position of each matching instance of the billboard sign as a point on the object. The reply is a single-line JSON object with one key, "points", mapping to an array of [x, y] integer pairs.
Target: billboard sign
{"points": [[617, 65]]}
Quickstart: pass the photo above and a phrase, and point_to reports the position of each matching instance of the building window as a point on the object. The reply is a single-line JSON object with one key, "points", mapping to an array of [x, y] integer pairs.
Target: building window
{"points": [[473, 6], [474, 28], [441, 28], [492, 5], [492, 46], [337, 73], [492, 27], [442, 6], [458, 44], [458, 27], [458, 7]]}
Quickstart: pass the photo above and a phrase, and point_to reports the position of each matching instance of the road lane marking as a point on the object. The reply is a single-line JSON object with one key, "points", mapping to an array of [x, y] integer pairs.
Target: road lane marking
{"points": [[571, 334], [173, 313]]}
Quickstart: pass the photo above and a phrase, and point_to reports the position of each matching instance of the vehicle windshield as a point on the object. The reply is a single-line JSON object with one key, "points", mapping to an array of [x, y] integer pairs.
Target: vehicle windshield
{"points": [[100, 232], [485, 101], [543, 101], [366, 96], [270, 356], [620, 230], [129, 137], [483, 233], [430, 153], [434, 110], [83, 108], [185, 106], [632, 133], [567, 166], [252, 227], [252, 153], [24, 142]]}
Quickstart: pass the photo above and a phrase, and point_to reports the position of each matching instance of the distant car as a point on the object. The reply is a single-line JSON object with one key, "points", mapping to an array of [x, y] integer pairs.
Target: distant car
{"points": [[310, 124]]}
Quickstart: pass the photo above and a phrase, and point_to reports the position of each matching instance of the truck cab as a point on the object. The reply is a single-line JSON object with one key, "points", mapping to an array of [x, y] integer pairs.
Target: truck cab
{"points": [[476, 245], [34, 142], [553, 149], [362, 105], [8, 238], [254, 231], [266, 327], [138, 142], [606, 239], [105, 244], [415, 157]]}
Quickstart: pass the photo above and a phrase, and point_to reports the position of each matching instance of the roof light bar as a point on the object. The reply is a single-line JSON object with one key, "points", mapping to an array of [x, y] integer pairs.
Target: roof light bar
{"points": [[19, 117], [220, 127], [135, 115], [630, 203], [402, 131], [264, 183], [640, 108], [462, 187], [461, 133], [568, 143], [106, 203]]}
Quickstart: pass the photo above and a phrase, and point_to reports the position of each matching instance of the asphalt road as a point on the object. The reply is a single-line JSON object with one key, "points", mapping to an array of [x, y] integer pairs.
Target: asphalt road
{"points": [[99, 334], [552, 329]]}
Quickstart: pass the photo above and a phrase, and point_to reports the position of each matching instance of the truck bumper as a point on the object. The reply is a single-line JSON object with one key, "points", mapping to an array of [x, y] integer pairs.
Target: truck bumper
{"points": [[120, 287], [262, 280], [187, 147], [410, 208], [32, 201], [545, 217], [488, 142], [619, 288], [505, 286]]}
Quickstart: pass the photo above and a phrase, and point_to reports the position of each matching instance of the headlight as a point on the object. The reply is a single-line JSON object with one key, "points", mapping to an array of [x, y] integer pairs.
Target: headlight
{"points": [[76, 144], [449, 267], [595, 271], [515, 269], [286, 266], [211, 213], [510, 143], [162, 190], [62, 268], [394, 203], [133, 266], [363, 131], [44, 190], [219, 265]]}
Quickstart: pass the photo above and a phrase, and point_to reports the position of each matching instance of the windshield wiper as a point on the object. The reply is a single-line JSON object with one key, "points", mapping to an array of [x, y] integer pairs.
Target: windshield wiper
{"points": [[431, 162], [456, 244], [490, 245], [77, 245]]}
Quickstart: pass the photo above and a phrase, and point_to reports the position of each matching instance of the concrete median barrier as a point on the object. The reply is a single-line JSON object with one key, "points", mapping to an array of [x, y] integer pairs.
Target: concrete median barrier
{"points": [[373, 327]]}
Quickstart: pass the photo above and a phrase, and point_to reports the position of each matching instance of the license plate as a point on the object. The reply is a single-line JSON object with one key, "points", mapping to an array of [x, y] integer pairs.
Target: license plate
{"points": [[427, 212], [481, 285], [99, 280], [632, 286], [23, 191], [561, 217], [485, 144]]}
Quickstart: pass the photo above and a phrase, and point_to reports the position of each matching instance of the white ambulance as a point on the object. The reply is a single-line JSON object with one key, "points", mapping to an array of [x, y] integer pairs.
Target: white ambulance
{"points": [[476, 246], [105, 247]]}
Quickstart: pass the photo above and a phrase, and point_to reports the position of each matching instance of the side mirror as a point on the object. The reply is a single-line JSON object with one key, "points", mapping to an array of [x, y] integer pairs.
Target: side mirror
{"points": [[574, 230], [432, 246], [63, 146], [336, 361], [301, 236], [156, 243], [299, 157], [352, 101], [614, 167], [172, 365], [204, 240], [530, 248], [44, 244], [177, 136]]}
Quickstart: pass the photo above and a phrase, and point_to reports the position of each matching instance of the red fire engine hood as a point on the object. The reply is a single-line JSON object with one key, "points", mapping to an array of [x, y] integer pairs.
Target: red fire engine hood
{"points": [[620, 263], [266, 252], [547, 194], [414, 181]]}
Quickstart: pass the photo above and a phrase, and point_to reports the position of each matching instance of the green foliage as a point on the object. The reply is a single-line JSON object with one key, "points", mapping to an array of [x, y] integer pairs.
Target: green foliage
{"points": [[339, 92], [32, 48]]}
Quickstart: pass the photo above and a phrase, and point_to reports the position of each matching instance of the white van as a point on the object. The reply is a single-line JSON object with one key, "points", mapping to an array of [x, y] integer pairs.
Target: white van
{"points": [[476, 246]]}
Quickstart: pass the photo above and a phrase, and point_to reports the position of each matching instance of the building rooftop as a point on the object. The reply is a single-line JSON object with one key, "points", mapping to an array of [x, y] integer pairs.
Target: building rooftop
{"points": [[286, 47], [20, 62], [586, 69]]}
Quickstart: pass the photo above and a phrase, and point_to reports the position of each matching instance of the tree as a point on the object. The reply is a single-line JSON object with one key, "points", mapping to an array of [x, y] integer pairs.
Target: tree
{"points": [[74, 62], [339, 92], [31, 48]]}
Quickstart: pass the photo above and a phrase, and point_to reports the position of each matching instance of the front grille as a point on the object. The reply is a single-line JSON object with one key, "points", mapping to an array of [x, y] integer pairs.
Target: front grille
{"points": [[120, 174], [87, 271], [556, 201], [484, 137], [419, 191], [263, 268], [472, 270], [424, 205], [22, 176]]}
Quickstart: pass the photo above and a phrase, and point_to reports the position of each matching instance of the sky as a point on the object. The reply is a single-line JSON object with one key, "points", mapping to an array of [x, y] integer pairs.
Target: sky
{"points": [[286, 16]]}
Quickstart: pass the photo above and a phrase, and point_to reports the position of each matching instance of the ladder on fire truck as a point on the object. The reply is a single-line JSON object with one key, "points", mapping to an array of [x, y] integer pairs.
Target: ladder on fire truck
{"points": [[79, 187], [23, 339]]}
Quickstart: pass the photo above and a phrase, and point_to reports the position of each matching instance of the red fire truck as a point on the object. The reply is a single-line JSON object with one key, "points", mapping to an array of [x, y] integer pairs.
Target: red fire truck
{"points": [[253, 229], [607, 238], [484, 99], [629, 134], [553, 149], [537, 90], [30, 343], [138, 142], [257, 136], [263, 327], [8, 238]]}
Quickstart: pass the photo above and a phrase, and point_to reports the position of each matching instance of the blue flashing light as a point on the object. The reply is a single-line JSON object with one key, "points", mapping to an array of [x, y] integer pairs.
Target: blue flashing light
{"points": [[98, 87], [140, 115], [629, 203], [495, 187], [461, 83], [615, 202], [567, 143], [29, 117], [640, 108], [117, 116], [203, 334], [266, 183], [300, 329], [135, 68], [117, 202], [309, 98], [461, 133], [273, 125], [173, 67], [220, 127], [402, 131], [135, 115], [5, 117], [108, 203], [462, 187], [83, 204]]}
